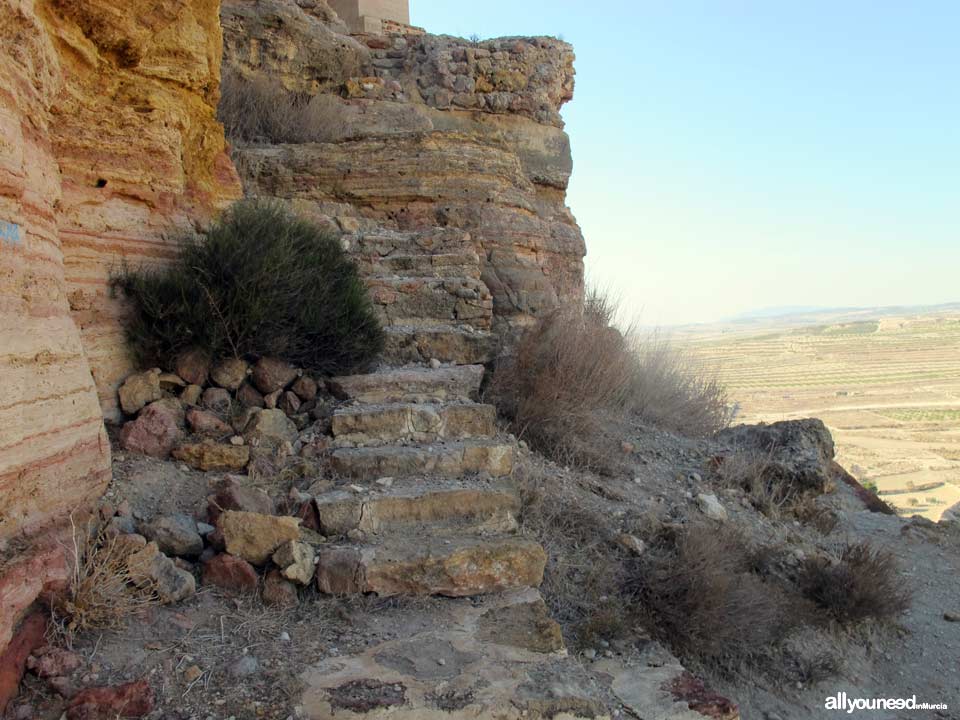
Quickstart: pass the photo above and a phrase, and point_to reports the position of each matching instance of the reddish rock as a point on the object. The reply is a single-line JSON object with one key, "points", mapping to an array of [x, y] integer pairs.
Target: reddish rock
{"points": [[155, 432], [305, 388], [217, 399], [206, 423], [230, 573], [271, 374], [249, 396], [278, 591], [28, 637], [48, 662], [308, 514], [231, 494], [686, 688], [193, 366], [133, 700], [289, 403]]}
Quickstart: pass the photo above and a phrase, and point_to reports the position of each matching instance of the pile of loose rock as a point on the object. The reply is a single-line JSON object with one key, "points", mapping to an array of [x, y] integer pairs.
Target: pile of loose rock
{"points": [[224, 415], [240, 535]]}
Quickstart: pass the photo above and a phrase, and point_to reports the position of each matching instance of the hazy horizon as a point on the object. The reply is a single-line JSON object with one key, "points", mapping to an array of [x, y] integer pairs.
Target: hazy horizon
{"points": [[730, 158]]}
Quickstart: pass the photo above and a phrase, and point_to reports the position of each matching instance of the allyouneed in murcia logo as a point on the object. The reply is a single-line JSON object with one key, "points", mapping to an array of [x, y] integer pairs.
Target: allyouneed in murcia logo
{"points": [[842, 702]]}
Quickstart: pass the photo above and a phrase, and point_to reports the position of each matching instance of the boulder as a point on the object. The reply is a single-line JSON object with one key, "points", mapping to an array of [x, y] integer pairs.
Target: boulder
{"points": [[217, 400], [13, 660], [193, 366], [710, 506], [175, 535], [798, 452], [256, 537], [155, 432], [151, 568], [230, 373], [139, 390], [207, 456], [230, 493], [171, 383], [272, 374], [305, 387], [278, 591], [272, 400], [249, 396], [296, 561], [230, 573], [289, 403], [270, 429], [176, 409], [191, 395], [133, 700], [204, 422]]}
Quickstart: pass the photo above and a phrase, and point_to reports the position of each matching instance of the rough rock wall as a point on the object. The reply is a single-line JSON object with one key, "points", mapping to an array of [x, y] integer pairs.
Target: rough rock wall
{"points": [[107, 138], [423, 132]]}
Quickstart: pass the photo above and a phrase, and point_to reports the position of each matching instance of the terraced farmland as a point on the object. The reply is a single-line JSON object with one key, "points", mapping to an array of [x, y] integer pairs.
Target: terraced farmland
{"points": [[889, 389]]}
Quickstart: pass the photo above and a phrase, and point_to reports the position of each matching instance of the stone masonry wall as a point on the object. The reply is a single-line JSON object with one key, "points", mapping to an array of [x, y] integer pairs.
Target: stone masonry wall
{"points": [[425, 131]]}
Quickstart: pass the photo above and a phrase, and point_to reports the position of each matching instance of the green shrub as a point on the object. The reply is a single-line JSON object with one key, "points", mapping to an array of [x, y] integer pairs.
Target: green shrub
{"points": [[261, 282]]}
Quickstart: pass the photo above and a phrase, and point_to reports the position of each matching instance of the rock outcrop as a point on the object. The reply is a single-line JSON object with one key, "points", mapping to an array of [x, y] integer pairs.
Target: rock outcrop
{"points": [[424, 132], [108, 141]]}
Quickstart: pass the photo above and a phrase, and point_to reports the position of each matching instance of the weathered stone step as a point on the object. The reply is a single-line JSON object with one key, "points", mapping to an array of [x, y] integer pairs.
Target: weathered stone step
{"points": [[431, 242], [446, 343], [448, 507], [365, 425], [449, 459], [463, 264], [498, 657], [423, 565], [422, 301], [411, 384]]}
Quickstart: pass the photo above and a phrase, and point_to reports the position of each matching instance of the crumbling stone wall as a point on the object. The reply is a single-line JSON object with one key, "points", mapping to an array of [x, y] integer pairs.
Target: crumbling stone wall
{"points": [[432, 131]]}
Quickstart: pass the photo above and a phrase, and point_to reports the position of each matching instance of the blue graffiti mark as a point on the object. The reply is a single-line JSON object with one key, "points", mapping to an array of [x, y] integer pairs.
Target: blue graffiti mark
{"points": [[9, 233]]}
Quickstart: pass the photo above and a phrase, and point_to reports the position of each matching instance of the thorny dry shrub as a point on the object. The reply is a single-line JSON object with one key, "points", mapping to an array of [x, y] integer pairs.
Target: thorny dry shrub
{"points": [[260, 110], [695, 590], [864, 582], [101, 592], [768, 493], [584, 571], [574, 377]]}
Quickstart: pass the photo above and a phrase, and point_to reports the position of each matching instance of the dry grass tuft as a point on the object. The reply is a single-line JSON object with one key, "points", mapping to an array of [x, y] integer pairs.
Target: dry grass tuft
{"points": [[575, 377], [260, 110], [695, 589], [101, 593], [584, 571], [862, 583]]}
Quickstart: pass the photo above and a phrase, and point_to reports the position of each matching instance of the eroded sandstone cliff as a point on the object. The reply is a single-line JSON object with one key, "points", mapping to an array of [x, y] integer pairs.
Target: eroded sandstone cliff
{"points": [[108, 141], [423, 132]]}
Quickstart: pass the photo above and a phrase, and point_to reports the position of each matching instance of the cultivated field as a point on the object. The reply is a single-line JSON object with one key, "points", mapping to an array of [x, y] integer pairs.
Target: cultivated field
{"points": [[888, 388]]}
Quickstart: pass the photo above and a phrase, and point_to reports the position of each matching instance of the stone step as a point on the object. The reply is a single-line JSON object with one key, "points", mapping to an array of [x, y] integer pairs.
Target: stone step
{"points": [[366, 425], [423, 301], [411, 384], [463, 264], [449, 507], [448, 459], [497, 657], [430, 242], [446, 343], [425, 565]]}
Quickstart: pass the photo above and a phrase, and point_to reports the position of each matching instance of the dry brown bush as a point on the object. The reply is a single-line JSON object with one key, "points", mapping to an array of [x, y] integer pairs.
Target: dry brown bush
{"points": [[695, 589], [574, 377], [584, 570], [862, 583], [260, 110], [100, 593]]}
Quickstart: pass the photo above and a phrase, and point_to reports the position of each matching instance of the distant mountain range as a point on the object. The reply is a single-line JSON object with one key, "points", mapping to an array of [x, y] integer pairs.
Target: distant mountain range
{"points": [[796, 315]]}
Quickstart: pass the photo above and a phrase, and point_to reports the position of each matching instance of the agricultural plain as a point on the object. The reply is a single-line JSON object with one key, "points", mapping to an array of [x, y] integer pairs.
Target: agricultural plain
{"points": [[887, 384]]}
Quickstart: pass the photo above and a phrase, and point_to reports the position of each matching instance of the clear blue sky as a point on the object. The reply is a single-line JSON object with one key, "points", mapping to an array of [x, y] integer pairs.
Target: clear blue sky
{"points": [[733, 155]]}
